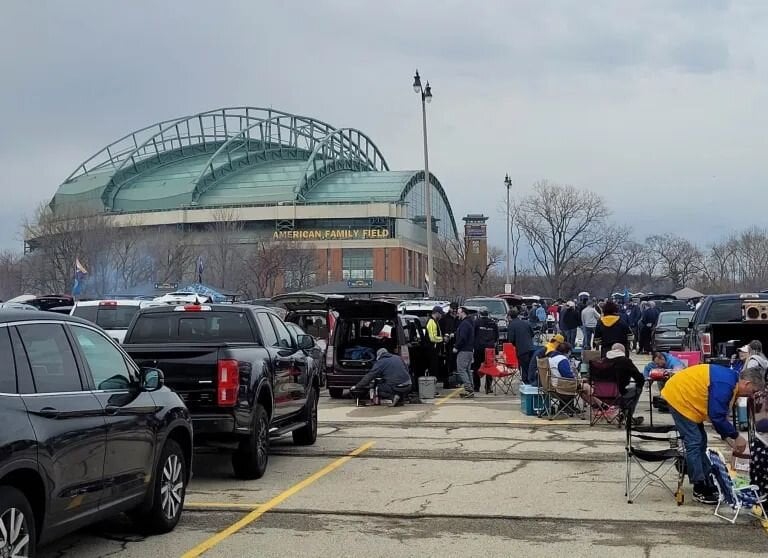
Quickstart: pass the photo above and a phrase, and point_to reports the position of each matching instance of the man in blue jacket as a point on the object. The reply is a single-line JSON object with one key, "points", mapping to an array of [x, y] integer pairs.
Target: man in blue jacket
{"points": [[665, 361], [464, 347], [395, 380]]}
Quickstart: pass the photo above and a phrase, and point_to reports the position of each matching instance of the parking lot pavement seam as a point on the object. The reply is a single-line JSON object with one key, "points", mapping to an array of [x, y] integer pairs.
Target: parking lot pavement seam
{"points": [[221, 536], [451, 395]]}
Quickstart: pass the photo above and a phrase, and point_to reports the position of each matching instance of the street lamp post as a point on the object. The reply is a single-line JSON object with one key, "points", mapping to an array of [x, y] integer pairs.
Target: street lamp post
{"points": [[508, 184], [426, 97]]}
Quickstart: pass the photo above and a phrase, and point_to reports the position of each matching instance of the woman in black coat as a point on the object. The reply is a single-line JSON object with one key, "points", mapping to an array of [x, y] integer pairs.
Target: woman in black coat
{"points": [[611, 329]]}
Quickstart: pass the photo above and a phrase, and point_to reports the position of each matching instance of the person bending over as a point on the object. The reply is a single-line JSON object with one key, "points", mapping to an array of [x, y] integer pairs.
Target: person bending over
{"points": [[707, 392], [394, 378], [665, 361]]}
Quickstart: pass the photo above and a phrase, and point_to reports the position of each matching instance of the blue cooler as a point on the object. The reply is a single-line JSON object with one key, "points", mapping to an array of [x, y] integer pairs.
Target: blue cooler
{"points": [[531, 401]]}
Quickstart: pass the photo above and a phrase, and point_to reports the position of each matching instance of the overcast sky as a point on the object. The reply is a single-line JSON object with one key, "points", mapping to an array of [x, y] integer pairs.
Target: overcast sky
{"points": [[659, 106]]}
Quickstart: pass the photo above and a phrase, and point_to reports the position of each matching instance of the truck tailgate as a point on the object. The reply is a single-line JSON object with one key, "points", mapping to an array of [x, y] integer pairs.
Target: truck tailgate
{"points": [[190, 370]]}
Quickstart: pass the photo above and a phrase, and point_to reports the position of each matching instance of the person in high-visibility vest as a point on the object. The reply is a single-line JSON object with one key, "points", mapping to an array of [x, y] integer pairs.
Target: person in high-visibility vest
{"points": [[435, 337]]}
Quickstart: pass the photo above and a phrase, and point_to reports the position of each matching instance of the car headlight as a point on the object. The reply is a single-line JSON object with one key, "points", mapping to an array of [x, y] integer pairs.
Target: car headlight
{"points": [[502, 323]]}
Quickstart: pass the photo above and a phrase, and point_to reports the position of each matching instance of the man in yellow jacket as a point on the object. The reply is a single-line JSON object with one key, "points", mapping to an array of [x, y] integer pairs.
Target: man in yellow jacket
{"points": [[701, 392], [435, 337]]}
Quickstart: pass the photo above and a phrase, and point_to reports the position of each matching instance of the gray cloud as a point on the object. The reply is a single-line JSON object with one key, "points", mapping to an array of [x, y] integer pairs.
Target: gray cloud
{"points": [[631, 99]]}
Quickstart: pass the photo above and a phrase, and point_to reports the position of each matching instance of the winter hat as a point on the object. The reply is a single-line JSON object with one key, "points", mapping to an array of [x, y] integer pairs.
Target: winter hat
{"points": [[381, 352], [617, 350]]}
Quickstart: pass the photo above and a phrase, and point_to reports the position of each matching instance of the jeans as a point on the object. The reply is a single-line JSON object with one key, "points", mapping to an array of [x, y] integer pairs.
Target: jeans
{"points": [[589, 333], [695, 441], [388, 391], [464, 369], [570, 336]]}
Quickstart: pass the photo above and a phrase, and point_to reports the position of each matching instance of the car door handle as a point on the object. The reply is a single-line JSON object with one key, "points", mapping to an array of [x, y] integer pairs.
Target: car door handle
{"points": [[48, 412], [112, 410]]}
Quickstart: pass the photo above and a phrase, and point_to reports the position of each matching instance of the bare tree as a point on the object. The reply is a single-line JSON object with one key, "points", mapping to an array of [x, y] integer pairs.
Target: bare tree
{"points": [[300, 268], [225, 247], [676, 258], [59, 240], [264, 262], [568, 233], [172, 256], [10, 274], [626, 259]]}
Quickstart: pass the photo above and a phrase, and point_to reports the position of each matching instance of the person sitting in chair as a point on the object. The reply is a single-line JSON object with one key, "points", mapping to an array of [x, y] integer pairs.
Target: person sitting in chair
{"points": [[394, 378], [665, 361], [617, 367], [560, 369]]}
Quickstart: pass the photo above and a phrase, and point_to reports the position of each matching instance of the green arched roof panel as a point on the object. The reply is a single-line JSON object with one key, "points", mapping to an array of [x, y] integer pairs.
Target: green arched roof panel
{"points": [[237, 156]]}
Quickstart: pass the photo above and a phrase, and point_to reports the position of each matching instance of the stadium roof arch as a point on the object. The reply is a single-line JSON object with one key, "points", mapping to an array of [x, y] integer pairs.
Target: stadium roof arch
{"points": [[238, 157]]}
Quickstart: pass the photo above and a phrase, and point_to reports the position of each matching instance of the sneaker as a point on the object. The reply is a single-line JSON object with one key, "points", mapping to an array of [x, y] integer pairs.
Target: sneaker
{"points": [[467, 395], [395, 401], [637, 421], [705, 494], [387, 402]]}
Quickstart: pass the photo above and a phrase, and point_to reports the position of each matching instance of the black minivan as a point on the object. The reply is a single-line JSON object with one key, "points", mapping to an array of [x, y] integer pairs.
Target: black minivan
{"points": [[86, 433]]}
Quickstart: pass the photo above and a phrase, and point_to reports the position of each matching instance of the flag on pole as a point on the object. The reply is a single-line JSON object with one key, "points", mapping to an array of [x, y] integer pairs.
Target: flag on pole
{"points": [[80, 275], [200, 268]]}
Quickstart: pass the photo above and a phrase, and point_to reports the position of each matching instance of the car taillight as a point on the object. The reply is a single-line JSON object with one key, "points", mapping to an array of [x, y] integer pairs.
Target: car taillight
{"points": [[228, 383], [108, 304], [330, 353], [705, 342]]}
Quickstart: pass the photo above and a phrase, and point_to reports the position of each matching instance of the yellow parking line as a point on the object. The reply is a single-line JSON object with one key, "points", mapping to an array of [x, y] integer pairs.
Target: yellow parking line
{"points": [[220, 505], [274, 502], [454, 393]]}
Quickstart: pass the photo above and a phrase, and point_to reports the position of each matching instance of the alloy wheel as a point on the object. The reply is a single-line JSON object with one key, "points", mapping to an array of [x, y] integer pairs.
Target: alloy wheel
{"points": [[262, 437], [14, 534], [171, 486]]}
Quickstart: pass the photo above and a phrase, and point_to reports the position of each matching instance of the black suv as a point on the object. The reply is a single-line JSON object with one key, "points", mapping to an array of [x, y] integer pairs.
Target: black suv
{"points": [[86, 433]]}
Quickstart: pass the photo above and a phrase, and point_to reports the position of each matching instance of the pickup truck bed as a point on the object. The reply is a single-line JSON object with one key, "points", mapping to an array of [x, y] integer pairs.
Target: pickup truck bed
{"points": [[238, 391]]}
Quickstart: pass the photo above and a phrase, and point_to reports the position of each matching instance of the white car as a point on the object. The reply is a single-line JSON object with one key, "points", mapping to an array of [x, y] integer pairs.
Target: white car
{"points": [[113, 316]]}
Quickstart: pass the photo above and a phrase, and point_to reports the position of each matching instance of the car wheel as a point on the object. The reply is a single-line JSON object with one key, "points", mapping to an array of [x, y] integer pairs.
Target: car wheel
{"points": [[336, 393], [307, 435], [251, 458], [169, 489], [17, 524]]}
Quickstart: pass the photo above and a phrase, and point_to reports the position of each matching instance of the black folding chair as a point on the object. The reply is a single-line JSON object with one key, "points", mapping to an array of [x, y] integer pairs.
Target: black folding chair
{"points": [[659, 451]]}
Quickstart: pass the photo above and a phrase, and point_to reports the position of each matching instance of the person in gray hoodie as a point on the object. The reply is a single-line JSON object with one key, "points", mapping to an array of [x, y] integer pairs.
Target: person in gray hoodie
{"points": [[395, 380], [756, 358], [589, 319]]}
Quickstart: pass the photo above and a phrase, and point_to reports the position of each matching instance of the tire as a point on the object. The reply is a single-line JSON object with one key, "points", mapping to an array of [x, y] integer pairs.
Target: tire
{"points": [[252, 457], [336, 393], [307, 435], [14, 504], [169, 488]]}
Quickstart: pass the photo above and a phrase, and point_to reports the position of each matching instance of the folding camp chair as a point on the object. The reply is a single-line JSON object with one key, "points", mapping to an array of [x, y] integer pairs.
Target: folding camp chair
{"points": [[746, 497], [654, 463], [501, 375], [563, 398], [605, 387]]}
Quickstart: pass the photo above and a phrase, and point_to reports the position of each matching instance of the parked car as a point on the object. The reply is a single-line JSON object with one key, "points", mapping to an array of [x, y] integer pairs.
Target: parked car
{"points": [[315, 355], [666, 336], [718, 326], [87, 433], [498, 310], [241, 373], [113, 316]]}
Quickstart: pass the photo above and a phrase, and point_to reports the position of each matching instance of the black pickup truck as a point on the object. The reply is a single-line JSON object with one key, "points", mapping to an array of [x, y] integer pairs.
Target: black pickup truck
{"points": [[724, 322], [242, 374]]}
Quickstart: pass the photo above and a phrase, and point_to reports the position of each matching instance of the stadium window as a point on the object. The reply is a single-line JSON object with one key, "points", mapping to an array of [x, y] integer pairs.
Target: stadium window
{"points": [[357, 263]]}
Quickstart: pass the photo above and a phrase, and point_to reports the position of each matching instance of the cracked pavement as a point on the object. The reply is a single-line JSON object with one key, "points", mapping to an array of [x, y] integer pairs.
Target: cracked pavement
{"points": [[461, 479]]}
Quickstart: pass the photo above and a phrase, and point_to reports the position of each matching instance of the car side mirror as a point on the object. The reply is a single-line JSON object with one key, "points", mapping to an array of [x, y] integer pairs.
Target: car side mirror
{"points": [[151, 379], [306, 342], [682, 323]]}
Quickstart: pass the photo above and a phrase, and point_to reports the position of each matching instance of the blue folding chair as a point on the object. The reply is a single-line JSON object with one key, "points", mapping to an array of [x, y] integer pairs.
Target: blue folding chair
{"points": [[746, 497]]}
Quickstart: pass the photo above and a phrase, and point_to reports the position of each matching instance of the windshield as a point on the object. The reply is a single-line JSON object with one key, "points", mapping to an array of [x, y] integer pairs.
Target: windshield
{"points": [[494, 305], [107, 317], [178, 327], [670, 318]]}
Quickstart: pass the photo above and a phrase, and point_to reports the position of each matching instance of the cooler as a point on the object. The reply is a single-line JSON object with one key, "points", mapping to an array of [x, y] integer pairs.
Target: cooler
{"points": [[531, 401], [427, 387]]}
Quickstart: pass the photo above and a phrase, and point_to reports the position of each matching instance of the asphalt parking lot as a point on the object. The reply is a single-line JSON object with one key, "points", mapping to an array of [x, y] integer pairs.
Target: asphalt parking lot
{"points": [[449, 477]]}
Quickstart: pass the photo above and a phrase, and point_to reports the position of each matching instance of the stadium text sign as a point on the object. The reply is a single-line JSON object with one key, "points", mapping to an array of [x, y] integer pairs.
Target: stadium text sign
{"points": [[332, 234]]}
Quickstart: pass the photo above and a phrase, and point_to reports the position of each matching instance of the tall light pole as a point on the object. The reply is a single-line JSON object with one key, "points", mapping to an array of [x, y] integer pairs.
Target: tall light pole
{"points": [[426, 97], [508, 184]]}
